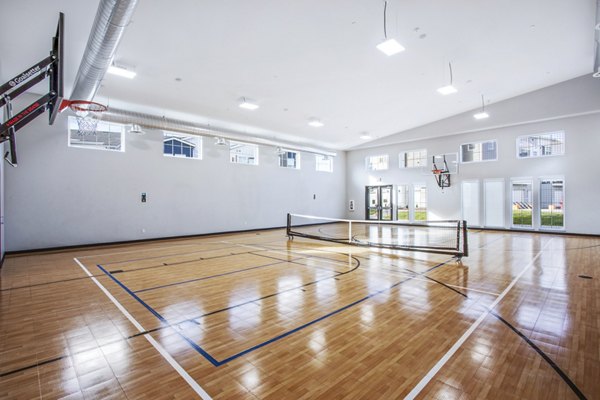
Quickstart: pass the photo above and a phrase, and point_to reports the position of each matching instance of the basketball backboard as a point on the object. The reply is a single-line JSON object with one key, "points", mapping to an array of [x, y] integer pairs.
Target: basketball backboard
{"points": [[447, 162]]}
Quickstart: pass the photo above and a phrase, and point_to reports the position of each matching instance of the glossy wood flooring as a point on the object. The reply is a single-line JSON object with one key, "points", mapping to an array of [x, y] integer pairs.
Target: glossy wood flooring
{"points": [[255, 316]]}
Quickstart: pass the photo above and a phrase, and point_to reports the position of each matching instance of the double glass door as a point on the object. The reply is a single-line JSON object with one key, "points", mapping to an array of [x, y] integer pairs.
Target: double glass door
{"points": [[379, 203]]}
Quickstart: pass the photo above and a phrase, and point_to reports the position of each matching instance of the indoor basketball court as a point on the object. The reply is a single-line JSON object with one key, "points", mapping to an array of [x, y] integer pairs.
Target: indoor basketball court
{"points": [[322, 200]]}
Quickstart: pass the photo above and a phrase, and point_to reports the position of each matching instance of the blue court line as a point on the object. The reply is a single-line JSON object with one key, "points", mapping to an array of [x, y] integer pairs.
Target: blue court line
{"points": [[217, 363], [206, 277], [161, 318]]}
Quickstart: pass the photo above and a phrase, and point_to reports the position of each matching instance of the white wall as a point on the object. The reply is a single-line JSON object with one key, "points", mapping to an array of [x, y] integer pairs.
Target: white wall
{"points": [[61, 196], [577, 165]]}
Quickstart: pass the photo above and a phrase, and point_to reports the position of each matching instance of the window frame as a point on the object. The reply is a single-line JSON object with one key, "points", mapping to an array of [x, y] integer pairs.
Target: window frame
{"points": [[368, 164], [480, 142], [256, 158], [298, 159], [518, 180], [563, 145], [539, 211], [100, 123], [403, 158], [328, 158], [176, 135]]}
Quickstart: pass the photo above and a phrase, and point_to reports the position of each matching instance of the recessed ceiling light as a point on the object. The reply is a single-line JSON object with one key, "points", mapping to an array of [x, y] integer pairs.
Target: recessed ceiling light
{"points": [[247, 104], [390, 47], [315, 123], [120, 71], [447, 90], [365, 136]]}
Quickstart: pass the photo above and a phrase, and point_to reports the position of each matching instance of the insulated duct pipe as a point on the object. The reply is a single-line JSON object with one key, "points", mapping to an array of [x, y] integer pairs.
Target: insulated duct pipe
{"points": [[190, 128], [597, 37], [112, 18]]}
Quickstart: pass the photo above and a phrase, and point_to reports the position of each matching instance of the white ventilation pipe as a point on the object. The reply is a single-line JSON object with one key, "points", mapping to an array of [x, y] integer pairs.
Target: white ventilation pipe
{"points": [[112, 18], [149, 121]]}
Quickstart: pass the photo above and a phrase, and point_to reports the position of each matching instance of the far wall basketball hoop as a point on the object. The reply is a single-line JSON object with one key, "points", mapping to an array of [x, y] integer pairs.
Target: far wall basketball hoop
{"points": [[443, 166]]}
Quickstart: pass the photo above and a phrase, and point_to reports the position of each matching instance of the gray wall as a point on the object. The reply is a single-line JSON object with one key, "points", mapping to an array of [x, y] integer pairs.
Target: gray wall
{"points": [[582, 131], [61, 196]]}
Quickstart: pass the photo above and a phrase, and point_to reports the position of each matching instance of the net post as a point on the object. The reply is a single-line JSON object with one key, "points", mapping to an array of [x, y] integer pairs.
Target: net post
{"points": [[458, 223], [465, 241], [349, 231], [289, 226]]}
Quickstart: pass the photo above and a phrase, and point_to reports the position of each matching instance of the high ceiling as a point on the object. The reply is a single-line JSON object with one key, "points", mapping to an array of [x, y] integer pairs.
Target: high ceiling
{"points": [[315, 58]]}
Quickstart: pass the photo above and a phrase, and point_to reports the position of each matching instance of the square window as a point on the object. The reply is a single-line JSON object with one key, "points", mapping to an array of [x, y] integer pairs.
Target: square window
{"points": [[182, 146], [289, 159], [108, 136], [324, 163], [541, 145], [377, 163], [243, 153]]}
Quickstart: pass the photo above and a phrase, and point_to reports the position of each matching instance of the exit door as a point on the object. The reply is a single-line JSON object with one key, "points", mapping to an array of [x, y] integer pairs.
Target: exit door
{"points": [[379, 202]]}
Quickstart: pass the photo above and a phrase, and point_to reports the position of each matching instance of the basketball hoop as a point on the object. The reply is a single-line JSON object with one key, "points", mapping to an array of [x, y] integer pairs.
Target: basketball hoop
{"points": [[88, 113], [437, 171]]}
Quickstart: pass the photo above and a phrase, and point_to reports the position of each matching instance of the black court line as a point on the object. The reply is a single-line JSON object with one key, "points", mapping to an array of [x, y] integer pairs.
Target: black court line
{"points": [[50, 283], [162, 265], [550, 362], [205, 278], [294, 262], [164, 256], [334, 276]]}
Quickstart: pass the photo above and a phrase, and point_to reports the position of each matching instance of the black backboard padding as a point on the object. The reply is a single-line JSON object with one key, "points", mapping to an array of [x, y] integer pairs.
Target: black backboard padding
{"points": [[56, 77]]}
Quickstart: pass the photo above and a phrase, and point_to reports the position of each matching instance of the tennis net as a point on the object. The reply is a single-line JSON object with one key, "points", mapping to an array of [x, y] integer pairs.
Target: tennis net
{"points": [[442, 237]]}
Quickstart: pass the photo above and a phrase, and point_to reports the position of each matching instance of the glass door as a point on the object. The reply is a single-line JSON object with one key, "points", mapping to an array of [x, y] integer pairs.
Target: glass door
{"points": [[372, 194], [402, 200], [379, 203], [386, 203]]}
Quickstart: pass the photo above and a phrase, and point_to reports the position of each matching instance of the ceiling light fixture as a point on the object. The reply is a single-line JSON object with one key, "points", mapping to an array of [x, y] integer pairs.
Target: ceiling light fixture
{"points": [[365, 136], [482, 114], [315, 123], [446, 90], [389, 47], [220, 141], [121, 71], [135, 128], [247, 104]]}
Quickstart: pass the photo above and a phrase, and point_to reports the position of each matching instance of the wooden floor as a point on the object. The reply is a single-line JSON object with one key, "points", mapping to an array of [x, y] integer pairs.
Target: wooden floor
{"points": [[255, 316]]}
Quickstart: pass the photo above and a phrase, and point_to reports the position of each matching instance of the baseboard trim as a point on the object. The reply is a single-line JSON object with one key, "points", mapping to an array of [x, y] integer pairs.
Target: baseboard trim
{"points": [[129, 242], [561, 233]]}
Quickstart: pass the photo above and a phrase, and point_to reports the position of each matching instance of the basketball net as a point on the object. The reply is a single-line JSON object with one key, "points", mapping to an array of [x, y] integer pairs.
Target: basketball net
{"points": [[87, 123]]}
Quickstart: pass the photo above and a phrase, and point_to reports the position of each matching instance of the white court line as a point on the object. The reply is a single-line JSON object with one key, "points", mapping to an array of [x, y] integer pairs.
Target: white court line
{"points": [[182, 372], [442, 361]]}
